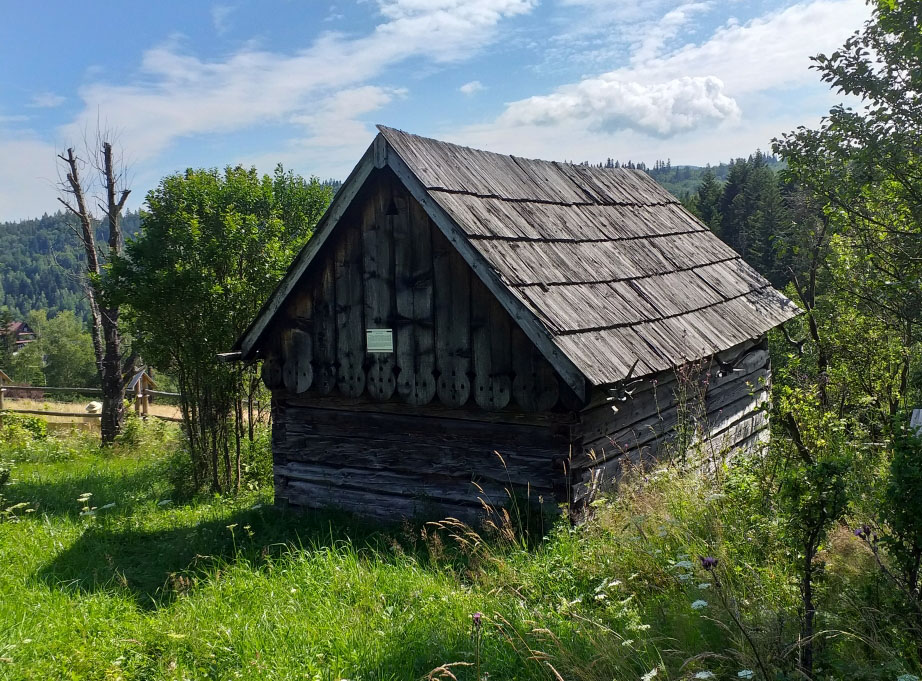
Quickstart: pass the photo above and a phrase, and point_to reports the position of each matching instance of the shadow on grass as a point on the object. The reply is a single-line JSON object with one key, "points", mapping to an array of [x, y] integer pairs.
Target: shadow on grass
{"points": [[155, 566], [57, 495]]}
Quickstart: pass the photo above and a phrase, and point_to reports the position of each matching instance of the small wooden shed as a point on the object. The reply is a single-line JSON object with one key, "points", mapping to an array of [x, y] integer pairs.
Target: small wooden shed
{"points": [[454, 304]]}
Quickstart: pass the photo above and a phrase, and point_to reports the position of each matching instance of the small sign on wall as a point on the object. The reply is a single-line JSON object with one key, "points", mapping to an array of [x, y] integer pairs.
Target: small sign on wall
{"points": [[379, 340]]}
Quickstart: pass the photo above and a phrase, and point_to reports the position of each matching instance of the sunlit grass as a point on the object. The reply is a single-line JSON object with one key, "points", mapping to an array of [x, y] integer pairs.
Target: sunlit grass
{"points": [[107, 573]]}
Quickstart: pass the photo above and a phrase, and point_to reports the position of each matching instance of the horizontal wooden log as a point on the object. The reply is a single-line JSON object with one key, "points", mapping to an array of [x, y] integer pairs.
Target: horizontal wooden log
{"points": [[600, 395], [661, 421], [607, 470], [600, 420], [435, 409], [442, 487], [376, 505], [402, 426]]}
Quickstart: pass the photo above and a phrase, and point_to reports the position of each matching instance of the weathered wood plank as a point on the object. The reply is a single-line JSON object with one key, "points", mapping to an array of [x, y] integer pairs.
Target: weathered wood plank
{"points": [[423, 322], [452, 322], [491, 333], [535, 385], [350, 335], [378, 266], [324, 330]]}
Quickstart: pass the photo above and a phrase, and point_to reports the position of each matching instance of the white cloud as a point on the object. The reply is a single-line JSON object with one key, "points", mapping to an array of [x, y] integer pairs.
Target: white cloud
{"points": [[697, 85], [178, 94], [471, 87], [47, 100], [667, 28], [606, 103]]}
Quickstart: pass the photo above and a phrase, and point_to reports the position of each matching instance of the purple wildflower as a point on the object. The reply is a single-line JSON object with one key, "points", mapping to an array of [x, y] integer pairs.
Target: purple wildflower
{"points": [[707, 562]]}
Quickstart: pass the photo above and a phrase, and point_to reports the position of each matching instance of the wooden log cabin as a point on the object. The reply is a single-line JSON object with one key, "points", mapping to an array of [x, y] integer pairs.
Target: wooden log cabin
{"points": [[463, 324]]}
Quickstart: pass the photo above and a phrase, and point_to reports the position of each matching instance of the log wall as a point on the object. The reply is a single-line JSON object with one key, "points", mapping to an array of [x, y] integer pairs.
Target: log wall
{"points": [[714, 408], [463, 408], [431, 463]]}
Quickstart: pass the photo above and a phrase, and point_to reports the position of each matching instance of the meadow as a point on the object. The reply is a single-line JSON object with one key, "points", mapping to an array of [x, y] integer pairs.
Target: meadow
{"points": [[112, 569]]}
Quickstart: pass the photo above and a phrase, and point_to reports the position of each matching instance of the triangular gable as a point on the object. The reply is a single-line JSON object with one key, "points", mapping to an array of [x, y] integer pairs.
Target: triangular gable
{"points": [[379, 155], [6, 380]]}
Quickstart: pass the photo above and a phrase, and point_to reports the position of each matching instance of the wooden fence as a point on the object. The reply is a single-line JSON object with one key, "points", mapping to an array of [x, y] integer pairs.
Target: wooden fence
{"points": [[139, 390]]}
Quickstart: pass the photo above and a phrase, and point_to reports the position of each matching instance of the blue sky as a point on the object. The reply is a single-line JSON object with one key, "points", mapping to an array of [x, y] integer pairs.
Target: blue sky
{"points": [[303, 82]]}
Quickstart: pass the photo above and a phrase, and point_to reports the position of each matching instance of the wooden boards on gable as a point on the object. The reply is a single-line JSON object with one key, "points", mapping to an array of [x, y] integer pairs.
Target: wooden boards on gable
{"points": [[437, 333]]}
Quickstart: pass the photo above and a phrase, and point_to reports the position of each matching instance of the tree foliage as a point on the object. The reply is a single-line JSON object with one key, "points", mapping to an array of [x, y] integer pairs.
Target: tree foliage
{"points": [[212, 247]]}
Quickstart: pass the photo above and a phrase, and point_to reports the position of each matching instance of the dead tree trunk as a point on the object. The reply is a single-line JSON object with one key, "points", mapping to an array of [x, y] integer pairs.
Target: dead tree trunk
{"points": [[106, 338]]}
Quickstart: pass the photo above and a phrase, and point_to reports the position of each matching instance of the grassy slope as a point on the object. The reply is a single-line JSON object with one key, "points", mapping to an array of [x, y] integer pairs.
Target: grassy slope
{"points": [[213, 588]]}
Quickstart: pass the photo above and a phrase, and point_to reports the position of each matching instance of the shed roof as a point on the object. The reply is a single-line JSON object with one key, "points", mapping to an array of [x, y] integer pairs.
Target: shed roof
{"points": [[602, 268]]}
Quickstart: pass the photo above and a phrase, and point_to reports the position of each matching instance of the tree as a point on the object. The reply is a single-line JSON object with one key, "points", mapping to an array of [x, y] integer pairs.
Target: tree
{"points": [[708, 203], [858, 276], [865, 168], [68, 351], [212, 247], [107, 341]]}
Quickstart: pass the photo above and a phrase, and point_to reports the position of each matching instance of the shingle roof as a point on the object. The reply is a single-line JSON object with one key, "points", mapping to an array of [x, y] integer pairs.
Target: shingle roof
{"points": [[608, 261], [603, 269]]}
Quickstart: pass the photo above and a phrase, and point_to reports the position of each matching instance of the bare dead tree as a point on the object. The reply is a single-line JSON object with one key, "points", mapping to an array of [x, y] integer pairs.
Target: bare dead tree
{"points": [[107, 342]]}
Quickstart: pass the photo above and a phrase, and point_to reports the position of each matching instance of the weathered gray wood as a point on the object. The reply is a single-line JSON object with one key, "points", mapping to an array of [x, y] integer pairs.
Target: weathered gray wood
{"points": [[535, 385], [379, 290], [423, 322], [297, 372], [491, 333], [324, 330], [561, 421], [249, 342], [453, 322], [350, 332]]}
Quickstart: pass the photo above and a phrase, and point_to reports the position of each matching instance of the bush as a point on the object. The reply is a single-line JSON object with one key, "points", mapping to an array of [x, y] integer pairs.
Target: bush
{"points": [[14, 425]]}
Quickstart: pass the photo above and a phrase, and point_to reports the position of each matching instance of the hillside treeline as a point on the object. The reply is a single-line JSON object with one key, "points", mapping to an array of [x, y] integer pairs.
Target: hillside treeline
{"points": [[41, 262]]}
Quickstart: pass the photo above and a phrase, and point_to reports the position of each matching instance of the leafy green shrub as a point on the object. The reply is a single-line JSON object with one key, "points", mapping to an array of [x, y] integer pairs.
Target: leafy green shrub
{"points": [[257, 458], [14, 424]]}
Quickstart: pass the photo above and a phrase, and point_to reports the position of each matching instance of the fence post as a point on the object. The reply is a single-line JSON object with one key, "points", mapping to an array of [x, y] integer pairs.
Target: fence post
{"points": [[145, 402]]}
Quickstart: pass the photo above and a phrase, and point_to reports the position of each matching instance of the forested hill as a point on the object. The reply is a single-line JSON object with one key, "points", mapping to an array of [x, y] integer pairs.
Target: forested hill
{"points": [[40, 263]]}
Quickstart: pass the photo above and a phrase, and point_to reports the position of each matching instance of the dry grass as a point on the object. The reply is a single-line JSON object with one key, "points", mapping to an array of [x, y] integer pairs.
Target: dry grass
{"points": [[75, 407]]}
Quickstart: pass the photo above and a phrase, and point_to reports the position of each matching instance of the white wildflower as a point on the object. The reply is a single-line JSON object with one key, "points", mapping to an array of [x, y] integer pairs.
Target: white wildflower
{"points": [[745, 673], [683, 564], [704, 675], [704, 585], [699, 604], [650, 674], [685, 576], [907, 677]]}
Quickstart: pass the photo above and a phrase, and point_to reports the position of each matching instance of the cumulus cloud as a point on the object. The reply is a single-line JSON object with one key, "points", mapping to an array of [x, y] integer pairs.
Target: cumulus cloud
{"points": [[662, 109], [178, 94], [471, 87]]}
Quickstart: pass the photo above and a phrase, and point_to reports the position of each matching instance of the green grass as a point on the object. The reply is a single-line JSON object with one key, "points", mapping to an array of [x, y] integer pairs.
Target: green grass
{"points": [[160, 587]]}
